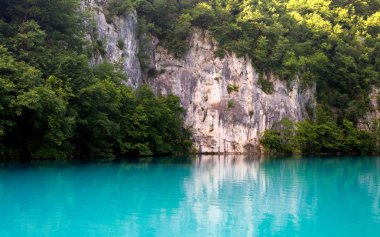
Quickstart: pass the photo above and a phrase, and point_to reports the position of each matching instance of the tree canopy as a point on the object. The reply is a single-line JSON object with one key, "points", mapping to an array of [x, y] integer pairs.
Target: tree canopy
{"points": [[54, 105], [333, 43]]}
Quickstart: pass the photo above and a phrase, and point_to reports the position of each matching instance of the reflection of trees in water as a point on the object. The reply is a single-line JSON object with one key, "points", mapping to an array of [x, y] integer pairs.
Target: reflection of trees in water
{"points": [[370, 181], [239, 192], [266, 196], [216, 196], [216, 192]]}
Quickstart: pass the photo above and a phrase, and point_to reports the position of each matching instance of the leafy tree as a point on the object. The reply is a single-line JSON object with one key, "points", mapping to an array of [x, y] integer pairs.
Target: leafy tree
{"points": [[54, 105], [321, 136], [333, 44]]}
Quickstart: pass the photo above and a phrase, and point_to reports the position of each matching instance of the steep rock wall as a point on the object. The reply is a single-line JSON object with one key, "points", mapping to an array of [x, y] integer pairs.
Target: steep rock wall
{"points": [[366, 123], [120, 30], [222, 120]]}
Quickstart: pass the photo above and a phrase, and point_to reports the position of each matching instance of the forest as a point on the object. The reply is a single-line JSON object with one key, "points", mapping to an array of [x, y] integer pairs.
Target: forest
{"points": [[333, 44], [55, 105]]}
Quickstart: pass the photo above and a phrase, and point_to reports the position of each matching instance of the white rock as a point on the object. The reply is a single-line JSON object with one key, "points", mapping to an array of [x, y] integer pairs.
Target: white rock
{"points": [[201, 81]]}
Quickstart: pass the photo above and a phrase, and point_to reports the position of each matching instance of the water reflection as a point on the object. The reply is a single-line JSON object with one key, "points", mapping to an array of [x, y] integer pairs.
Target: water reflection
{"points": [[245, 196], [203, 196], [260, 197]]}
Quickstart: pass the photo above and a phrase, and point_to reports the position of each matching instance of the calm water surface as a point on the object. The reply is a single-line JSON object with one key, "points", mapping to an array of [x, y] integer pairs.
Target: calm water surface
{"points": [[211, 196]]}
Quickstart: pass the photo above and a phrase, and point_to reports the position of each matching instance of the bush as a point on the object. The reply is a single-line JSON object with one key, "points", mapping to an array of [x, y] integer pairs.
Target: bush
{"points": [[99, 46], [219, 53], [232, 88], [323, 136], [120, 44], [203, 15], [231, 104], [265, 85], [119, 7]]}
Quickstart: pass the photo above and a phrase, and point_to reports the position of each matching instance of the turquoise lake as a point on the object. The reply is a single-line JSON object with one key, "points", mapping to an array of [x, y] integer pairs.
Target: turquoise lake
{"points": [[205, 196]]}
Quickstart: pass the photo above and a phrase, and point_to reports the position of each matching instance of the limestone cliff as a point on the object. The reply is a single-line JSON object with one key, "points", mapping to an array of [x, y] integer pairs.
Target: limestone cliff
{"points": [[118, 36], [225, 107], [366, 123]]}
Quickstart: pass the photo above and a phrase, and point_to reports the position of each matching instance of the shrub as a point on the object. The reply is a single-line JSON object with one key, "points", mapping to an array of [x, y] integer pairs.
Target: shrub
{"points": [[219, 53], [232, 88], [120, 44], [119, 7], [265, 85], [99, 46], [231, 104]]}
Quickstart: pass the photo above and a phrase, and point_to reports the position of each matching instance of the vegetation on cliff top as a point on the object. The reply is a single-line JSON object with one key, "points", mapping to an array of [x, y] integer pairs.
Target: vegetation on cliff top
{"points": [[54, 105], [333, 43]]}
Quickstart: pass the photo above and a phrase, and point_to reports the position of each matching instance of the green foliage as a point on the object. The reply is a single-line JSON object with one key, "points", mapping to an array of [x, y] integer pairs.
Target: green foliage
{"points": [[144, 53], [322, 136], [120, 44], [100, 47], [203, 15], [231, 104], [280, 138], [334, 44], [53, 105], [168, 20], [219, 53], [117, 8], [265, 85], [59, 19], [271, 141], [232, 88], [177, 38]]}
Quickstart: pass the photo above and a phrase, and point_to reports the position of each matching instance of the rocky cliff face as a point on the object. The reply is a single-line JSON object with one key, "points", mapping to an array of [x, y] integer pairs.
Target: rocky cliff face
{"points": [[366, 123], [225, 107], [118, 37]]}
